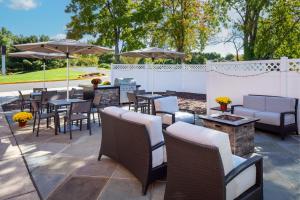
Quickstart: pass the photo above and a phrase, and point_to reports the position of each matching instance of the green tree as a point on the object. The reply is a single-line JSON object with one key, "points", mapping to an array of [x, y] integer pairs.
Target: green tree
{"points": [[187, 24], [279, 32], [114, 23], [249, 13]]}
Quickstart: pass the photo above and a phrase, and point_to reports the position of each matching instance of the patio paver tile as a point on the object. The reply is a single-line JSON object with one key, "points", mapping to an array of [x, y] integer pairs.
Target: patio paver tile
{"points": [[103, 168], [83, 188], [27, 196], [46, 183], [125, 189], [14, 178]]}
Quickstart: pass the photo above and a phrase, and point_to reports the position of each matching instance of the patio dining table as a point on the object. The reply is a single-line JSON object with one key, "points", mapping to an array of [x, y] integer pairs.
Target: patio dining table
{"points": [[57, 104], [150, 98]]}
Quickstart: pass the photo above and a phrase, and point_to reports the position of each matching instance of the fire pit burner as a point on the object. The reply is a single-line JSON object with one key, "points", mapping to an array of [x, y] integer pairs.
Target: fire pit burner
{"points": [[229, 118]]}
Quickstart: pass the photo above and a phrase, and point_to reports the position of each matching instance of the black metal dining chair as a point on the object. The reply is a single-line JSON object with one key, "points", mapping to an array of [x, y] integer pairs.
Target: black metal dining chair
{"points": [[79, 111], [38, 115], [97, 105], [133, 101], [23, 102]]}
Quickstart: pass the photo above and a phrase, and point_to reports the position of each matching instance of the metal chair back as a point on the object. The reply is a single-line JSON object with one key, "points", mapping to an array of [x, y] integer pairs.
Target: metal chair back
{"points": [[48, 95], [80, 107], [97, 98], [35, 105], [21, 97], [132, 97]]}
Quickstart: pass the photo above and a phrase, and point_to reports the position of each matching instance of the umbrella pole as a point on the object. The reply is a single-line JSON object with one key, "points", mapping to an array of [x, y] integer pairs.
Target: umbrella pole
{"points": [[44, 70], [153, 75], [68, 74]]}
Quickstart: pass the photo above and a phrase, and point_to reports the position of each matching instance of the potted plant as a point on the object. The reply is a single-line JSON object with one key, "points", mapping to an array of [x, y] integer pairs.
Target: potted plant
{"points": [[96, 82], [223, 101], [22, 118]]}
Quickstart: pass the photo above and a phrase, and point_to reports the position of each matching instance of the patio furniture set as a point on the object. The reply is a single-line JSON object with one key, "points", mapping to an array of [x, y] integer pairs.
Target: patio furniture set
{"points": [[46, 105], [207, 161]]}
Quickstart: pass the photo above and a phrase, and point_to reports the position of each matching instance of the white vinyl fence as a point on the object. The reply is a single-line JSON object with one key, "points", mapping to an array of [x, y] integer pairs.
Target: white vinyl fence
{"points": [[233, 79]]}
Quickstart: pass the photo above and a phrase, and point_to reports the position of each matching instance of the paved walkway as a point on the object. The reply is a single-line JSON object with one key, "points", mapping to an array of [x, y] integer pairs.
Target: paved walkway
{"points": [[68, 169], [15, 181]]}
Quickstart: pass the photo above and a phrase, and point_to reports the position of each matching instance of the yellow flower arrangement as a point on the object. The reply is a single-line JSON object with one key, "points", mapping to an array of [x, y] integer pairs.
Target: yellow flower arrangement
{"points": [[22, 117], [223, 100]]}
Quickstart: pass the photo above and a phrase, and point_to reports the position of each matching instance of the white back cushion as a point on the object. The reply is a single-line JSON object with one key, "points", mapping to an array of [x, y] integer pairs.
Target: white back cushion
{"points": [[168, 104], [202, 135], [255, 102], [115, 111], [152, 123], [280, 104]]}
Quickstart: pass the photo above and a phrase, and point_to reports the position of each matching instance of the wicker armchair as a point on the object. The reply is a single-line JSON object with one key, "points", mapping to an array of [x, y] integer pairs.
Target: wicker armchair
{"points": [[136, 141], [201, 166]]}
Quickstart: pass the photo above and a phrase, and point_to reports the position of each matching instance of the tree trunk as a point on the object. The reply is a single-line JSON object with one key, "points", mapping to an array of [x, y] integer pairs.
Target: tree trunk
{"points": [[117, 48]]}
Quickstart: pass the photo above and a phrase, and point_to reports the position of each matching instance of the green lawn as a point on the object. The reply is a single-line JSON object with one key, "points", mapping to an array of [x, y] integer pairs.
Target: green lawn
{"points": [[52, 74]]}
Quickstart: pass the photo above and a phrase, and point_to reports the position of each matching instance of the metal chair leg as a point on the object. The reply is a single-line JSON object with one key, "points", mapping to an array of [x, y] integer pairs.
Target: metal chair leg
{"points": [[34, 120], [70, 129], [38, 129]]}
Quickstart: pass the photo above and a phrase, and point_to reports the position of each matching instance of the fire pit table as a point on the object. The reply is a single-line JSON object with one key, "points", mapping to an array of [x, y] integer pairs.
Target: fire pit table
{"points": [[240, 130]]}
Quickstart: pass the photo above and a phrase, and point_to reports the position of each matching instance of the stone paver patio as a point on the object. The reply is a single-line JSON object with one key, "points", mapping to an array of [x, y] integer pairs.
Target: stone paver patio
{"points": [[68, 169]]}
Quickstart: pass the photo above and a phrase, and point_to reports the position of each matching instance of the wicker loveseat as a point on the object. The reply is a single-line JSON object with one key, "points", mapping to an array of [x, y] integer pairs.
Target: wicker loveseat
{"points": [[201, 166], [276, 114], [136, 141]]}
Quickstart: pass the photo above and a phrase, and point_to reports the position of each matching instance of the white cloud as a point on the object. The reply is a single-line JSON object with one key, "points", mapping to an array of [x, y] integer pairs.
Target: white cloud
{"points": [[23, 4], [59, 36]]}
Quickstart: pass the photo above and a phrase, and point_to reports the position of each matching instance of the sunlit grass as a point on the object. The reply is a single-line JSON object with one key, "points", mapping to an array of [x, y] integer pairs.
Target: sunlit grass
{"points": [[52, 74]]}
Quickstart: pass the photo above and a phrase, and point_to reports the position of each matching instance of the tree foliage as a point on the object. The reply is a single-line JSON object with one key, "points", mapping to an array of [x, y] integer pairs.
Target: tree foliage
{"points": [[121, 24], [279, 32]]}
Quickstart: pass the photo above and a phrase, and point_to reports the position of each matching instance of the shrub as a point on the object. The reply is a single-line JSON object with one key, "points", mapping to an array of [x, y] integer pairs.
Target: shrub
{"points": [[106, 83], [104, 65]]}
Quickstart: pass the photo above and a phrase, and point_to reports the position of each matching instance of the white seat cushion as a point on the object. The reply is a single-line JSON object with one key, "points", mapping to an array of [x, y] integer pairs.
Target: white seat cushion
{"points": [[242, 182], [242, 111], [167, 104], [115, 111], [205, 136], [273, 118], [179, 116], [154, 127]]}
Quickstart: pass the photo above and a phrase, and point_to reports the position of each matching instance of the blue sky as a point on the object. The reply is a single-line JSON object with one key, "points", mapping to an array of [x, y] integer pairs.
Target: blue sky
{"points": [[34, 17], [37, 17]]}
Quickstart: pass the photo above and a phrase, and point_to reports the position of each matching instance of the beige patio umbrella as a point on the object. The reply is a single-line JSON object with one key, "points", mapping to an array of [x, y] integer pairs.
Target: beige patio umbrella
{"points": [[39, 55], [154, 53], [67, 47]]}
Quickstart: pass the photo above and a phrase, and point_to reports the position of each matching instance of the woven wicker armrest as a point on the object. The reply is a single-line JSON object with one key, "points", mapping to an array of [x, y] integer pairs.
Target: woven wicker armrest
{"points": [[158, 145], [257, 160], [187, 110]]}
